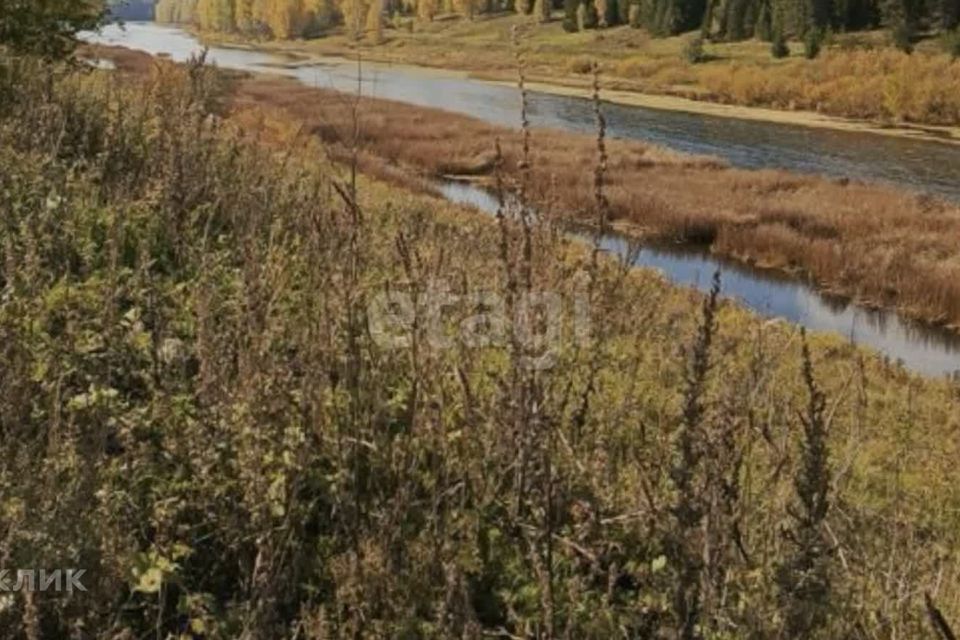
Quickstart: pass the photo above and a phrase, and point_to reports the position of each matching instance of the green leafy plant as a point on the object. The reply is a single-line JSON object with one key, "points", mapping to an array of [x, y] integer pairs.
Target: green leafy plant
{"points": [[812, 43], [778, 45], [950, 41], [693, 51]]}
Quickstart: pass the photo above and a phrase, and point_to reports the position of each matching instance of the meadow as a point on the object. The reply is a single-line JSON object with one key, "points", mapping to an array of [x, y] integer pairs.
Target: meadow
{"points": [[198, 407]]}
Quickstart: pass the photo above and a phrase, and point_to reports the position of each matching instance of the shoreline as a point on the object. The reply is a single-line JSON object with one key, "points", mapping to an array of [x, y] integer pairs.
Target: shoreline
{"points": [[274, 90], [570, 88]]}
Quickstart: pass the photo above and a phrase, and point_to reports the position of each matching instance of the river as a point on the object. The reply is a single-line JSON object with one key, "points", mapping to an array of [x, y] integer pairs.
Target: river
{"points": [[926, 167]]}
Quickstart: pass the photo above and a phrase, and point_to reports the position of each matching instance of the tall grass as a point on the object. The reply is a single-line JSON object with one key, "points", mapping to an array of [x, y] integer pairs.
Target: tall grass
{"points": [[196, 408]]}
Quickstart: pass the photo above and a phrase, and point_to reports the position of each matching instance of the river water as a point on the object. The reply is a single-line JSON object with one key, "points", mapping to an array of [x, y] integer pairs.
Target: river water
{"points": [[927, 167]]}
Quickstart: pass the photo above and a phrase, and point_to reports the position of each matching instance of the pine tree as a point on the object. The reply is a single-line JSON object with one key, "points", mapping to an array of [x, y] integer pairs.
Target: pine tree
{"points": [[570, 22], [821, 14], [764, 26], [48, 28], [778, 45], [949, 14]]}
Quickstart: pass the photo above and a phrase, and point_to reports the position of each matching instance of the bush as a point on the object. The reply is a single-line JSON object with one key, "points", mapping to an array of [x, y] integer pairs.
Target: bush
{"points": [[693, 51], [48, 29], [581, 64], [778, 47], [951, 43], [812, 43], [902, 36]]}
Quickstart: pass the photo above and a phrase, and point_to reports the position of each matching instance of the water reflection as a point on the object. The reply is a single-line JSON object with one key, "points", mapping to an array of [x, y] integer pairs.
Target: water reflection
{"points": [[923, 348]]}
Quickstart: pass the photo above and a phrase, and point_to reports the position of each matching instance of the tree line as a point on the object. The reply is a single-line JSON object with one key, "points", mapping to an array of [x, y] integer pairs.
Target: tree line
{"points": [[728, 20]]}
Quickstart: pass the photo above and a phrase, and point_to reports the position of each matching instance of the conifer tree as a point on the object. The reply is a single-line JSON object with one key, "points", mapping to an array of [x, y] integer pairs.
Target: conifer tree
{"points": [[570, 21], [47, 28], [949, 14]]}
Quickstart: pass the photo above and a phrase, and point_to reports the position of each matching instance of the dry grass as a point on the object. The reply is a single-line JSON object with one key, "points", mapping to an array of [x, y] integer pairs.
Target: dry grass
{"points": [[868, 84], [868, 242], [871, 243]]}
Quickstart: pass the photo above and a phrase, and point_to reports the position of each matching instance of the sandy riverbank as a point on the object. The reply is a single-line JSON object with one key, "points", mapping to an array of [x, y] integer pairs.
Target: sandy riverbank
{"points": [[578, 86]]}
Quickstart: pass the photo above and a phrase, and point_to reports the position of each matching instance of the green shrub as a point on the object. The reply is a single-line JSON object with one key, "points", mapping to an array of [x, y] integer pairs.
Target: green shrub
{"points": [[778, 46], [812, 43], [902, 36], [693, 51], [581, 64], [951, 43]]}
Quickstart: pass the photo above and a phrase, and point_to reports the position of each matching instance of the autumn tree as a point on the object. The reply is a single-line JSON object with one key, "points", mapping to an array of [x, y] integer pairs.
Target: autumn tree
{"points": [[466, 8], [216, 15], [426, 9], [541, 9], [375, 21]]}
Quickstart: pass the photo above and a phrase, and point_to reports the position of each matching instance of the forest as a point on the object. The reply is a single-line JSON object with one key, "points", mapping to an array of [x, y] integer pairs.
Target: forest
{"points": [[721, 20]]}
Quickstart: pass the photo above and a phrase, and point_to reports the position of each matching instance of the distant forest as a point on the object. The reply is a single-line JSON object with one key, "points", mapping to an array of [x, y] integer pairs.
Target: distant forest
{"points": [[718, 19]]}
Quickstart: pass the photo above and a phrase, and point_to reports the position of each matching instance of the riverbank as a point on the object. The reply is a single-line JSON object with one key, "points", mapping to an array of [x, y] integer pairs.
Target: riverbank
{"points": [[876, 89], [869, 243]]}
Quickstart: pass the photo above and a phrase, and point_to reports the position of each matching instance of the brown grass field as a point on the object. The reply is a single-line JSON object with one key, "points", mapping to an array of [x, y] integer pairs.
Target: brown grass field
{"points": [[871, 243]]}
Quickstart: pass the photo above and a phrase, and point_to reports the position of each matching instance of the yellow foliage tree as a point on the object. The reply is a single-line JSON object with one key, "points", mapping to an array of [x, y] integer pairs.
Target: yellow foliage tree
{"points": [[466, 8], [426, 9], [243, 15], [353, 12], [375, 21], [541, 9], [215, 15]]}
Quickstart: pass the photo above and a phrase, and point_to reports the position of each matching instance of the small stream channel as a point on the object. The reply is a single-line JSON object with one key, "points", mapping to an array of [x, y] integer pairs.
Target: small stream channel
{"points": [[926, 349]]}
